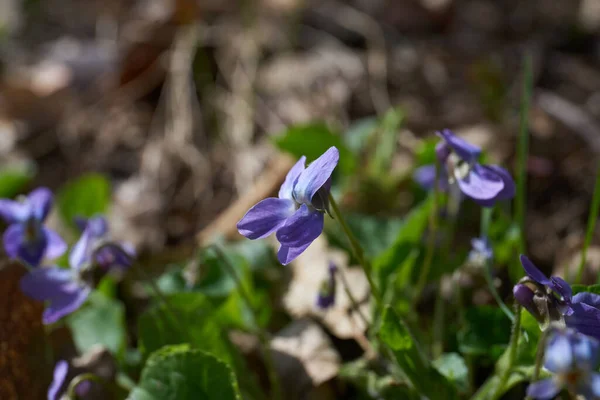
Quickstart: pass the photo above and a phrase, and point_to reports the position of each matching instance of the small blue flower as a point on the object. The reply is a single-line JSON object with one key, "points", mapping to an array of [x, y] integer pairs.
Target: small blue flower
{"points": [[27, 238], [572, 357], [65, 290], [297, 215], [481, 251], [485, 184], [326, 296]]}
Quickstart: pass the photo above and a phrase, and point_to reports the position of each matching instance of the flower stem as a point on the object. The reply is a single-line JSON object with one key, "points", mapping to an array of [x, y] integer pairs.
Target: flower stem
{"points": [[358, 251], [263, 338], [591, 225], [433, 220], [352, 299], [512, 354], [523, 150], [486, 219]]}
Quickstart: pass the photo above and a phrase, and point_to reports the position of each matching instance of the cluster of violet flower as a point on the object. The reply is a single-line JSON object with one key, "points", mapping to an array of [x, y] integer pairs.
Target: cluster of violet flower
{"points": [[27, 239], [573, 322]]}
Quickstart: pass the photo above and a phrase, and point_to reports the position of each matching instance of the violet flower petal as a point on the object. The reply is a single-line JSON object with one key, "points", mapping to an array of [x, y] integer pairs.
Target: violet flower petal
{"points": [[13, 238], [40, 201], [585, 319], [425, 176], [509, 189], [80, 252], [287, 254], [315, 176], [545, 389], [55, 246], [591, 299], [14, 211], [481, 183], [533, 272], [70, 299], [301, 228], [461, 147], [558, 357], [45, 283], [60, 373], [285, 192], [594, 386], [265, 217], [112, 255], [97, 226]]}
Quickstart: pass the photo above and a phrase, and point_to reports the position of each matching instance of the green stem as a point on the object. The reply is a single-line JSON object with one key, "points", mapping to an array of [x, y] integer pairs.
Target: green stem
{"points": [[486, 218], [591, 226], [263, 338], [353, 301], [358, 252], [512, 354], [433, 220], [523, 150], [170, 311]]}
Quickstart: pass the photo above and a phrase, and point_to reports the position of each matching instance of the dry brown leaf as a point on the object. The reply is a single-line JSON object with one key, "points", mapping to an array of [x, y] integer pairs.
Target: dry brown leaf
{"points": [[309, 270], [304, 356]]}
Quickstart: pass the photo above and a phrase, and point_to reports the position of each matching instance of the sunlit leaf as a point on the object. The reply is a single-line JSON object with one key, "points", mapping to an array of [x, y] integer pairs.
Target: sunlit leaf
{"points": [[183, 373]]}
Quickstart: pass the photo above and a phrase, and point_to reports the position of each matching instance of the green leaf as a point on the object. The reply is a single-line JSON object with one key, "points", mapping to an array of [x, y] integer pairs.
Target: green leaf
{"points": [[453, 367], [188, 318], [409, 237], [386, 137], [486, 333], [423, 376], [312, 140], [215, 280], [357, 135], [85, 197], [375, 234], [361, 373], [101, 321], [14, 178], [583, 288], [182, 373]]}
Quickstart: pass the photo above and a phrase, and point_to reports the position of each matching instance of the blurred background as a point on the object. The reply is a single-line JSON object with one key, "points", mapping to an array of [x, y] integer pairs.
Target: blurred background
{"points": [[180, 103]]}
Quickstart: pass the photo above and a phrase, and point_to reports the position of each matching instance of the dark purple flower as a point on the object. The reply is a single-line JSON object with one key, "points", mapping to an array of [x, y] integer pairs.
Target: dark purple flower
{"points": [[326, 296], [59, 382], [297, 215], [555, 284], [572, 357], [65, 290], [485, 184], [556, 302], [26, 237]]}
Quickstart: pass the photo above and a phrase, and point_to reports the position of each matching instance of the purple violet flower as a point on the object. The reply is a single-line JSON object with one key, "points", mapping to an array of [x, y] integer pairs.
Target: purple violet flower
{"points": [[59, 382], [485, 184], [326, 296], [572, 357], [580, 312], [66, 290], [107, 254], [297, 215], [26, 237]]}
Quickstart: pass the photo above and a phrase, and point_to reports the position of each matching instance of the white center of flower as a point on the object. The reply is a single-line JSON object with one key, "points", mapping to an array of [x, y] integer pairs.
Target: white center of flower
{"points": [[458, 168]]}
